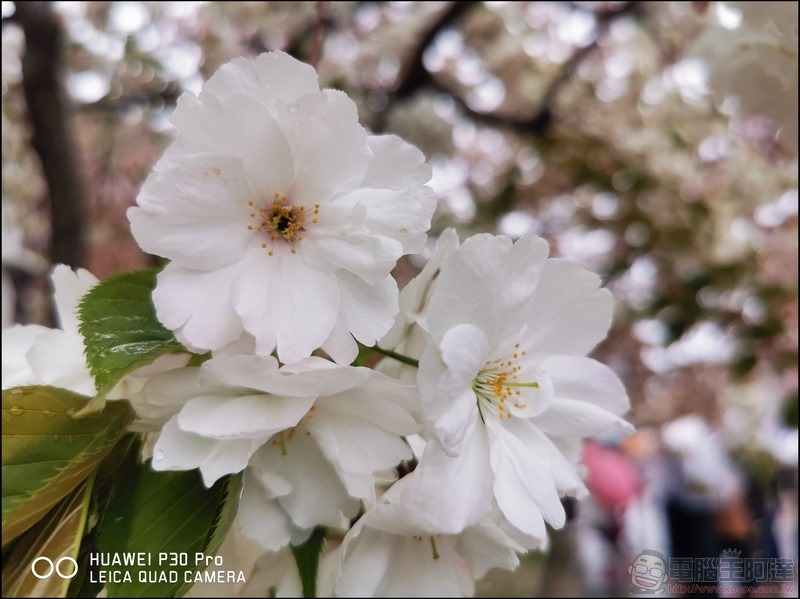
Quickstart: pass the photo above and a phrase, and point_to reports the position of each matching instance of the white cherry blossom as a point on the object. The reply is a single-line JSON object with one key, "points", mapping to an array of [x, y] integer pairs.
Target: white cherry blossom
{"points": [[311, 435], [505, 381], [282, 217], [37, 355], [408, 335], [393, 552]]}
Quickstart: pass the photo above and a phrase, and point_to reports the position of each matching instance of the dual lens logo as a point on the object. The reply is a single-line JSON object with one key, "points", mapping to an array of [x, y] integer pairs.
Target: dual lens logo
{"points": [[46, 571]]}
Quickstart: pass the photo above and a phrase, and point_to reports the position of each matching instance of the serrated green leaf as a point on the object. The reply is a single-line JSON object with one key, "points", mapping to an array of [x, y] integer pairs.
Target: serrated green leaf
{"points": [[57, 536], [47, 452], [166, 512], [307, 557], [120, 329]]}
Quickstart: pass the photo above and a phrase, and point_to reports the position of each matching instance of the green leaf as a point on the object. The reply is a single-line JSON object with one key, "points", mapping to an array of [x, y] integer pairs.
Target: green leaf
{"points": [[120, 329], [112, 473], [166, 513], [56, 536], [307, 557], [47, 452]]}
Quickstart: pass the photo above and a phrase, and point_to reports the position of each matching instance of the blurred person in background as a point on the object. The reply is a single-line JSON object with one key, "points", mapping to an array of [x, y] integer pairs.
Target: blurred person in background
{"points": [[603, 523], [706, 506]]}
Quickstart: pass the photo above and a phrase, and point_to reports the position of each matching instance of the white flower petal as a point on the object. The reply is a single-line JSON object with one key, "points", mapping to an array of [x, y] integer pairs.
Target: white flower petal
{"points": [[376, 563], [164, 394], [255, 296], [367, 310], [567, 472], [243, 127], [444, 494], [17, 341], [586, 380], [195, 214], [414, 297], [486, 546], [271, 76], [246, 371], [508, 274], [318, 496], [328, 143], [340, 344], [383, 401], [367, 555], [260, 517], [445, 383], [353, 444], [403, 214], [241, 417], [396, 164], [57, 358], [563, 468], [416, 573], [306, 310], [570, 313], [70, 287], [197, 306], [367, 256], [311, 377], [523, 484], [569, 417], [284, 302], [321, 377], [179, 450], [285, 78]]}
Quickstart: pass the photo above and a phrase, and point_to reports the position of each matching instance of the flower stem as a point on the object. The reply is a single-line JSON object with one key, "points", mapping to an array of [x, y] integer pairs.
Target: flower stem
{"points": [[395, 356], [433, 548]]}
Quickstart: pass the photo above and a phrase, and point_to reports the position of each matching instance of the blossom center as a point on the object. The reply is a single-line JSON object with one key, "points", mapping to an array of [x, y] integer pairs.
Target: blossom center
{"points": [[281, 221], [285, 437], [497, 386]]}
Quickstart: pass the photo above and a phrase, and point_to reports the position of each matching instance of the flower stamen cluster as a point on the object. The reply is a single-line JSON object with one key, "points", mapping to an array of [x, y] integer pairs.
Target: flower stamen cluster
{"points": [[497, 387], [281, 220]]}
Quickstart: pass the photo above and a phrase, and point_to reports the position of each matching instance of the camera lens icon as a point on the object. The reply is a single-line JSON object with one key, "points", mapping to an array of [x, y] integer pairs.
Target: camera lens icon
{"points": [[51, 567]]}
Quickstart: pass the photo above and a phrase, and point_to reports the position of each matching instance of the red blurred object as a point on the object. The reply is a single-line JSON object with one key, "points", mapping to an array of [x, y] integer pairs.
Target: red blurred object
{"points": [[613, 478]]}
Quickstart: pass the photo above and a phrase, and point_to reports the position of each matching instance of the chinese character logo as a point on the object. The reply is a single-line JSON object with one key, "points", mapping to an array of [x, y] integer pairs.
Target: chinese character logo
{"points": [[648, 573]]}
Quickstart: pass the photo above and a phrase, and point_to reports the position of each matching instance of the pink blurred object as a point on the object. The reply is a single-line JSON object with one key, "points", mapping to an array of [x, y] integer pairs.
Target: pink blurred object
{"points": [[613, 478]]}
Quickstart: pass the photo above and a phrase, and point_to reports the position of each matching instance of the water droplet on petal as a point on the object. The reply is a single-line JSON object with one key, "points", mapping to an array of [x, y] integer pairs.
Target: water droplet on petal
{"points": [[293, 107], [15, 411], [158, 455]]}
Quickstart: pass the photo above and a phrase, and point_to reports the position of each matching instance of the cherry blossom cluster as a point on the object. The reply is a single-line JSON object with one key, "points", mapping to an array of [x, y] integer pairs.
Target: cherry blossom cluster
{"points": [[282, 218]]}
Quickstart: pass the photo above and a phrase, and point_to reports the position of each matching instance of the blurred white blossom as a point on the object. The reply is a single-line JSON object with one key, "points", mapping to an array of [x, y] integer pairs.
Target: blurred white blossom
{"points": [[754, 58]]}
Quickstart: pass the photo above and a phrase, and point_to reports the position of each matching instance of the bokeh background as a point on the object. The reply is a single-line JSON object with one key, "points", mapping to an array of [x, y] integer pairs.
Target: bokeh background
{"points": [[655, 143]]}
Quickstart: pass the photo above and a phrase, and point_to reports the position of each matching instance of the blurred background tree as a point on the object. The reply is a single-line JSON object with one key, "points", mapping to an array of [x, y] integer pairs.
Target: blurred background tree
{"points": [[655, 143]]}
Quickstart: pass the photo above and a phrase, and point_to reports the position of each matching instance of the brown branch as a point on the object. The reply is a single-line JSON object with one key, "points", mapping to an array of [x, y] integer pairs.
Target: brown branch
{"points": [[541, 120], [414, 75], [42, 66], [320, 27], [166, 97]]}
